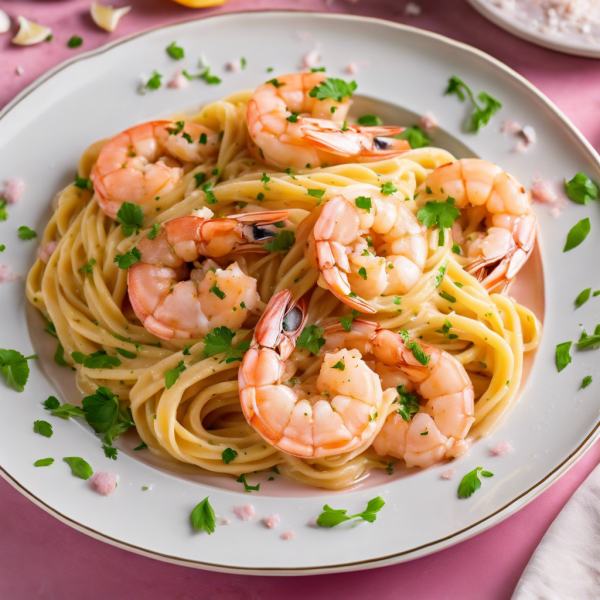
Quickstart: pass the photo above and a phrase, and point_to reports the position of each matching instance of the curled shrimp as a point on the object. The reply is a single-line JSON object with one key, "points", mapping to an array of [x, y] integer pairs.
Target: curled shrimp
{"points": [[508, 242], [149, 160], [428, 433], [335, 412], [366, 245], [174, 301], [289, 128]]}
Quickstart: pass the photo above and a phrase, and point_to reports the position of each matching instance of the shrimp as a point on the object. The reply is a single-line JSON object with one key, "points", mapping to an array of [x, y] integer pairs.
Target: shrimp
{"points": [[289, 128], [174, 301], [338, 412], [504, 249], [149, 160], [438, 428], [366, 245]]}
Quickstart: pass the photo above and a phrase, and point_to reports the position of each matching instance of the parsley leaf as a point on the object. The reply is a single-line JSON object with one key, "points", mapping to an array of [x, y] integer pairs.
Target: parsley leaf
{"points": [[203, 516], [43, 428], [75, 41], [216, 291], [87, 268], [248, 488], [172, 376], [316, 193], [415, 136], [364, 203], [470, 483], [25, 233], [311, 338], [131, 218], [583, 297], [228, 455], [440, 276], [110, 452], [200, 177], [482, 114], [336, 89], [103, 413], [129, 258], [563, 358], [577, 234], [447, 296], [79, 467], [586, 381], [445, 330], [82, 183], [175, 51], [347, 320], [339, 365], [142, 446], [63, 411], [581, 189], [418, 352], [275, 83], [442, 214], [219, 341], [409, 405], [369, 121], [96, 360], [331, 517], [14, 368], [388, 188], [43, 462], [283, 241], [155, 81], [210, 195], [589, 341], [3, 212]]}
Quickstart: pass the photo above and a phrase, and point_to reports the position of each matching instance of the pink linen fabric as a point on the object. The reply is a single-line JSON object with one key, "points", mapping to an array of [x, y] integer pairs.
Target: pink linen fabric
{"points": [[40, 558]]}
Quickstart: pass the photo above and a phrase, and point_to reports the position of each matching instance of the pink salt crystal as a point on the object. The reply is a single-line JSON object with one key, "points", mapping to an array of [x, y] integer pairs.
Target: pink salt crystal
{"points": [[511, 126], [529, 134], [225, 521], [271, 520], [544, 191], [352, 68], [428, 122], [311, 59], [45, 252], [178, 81], [104, 482], [235, 66], [412, 9], [288, 535], [521, 146], [244, 511], [7, 275], [313, 522], [501, 448], [13, 190], [448, 474], [19, 70]]}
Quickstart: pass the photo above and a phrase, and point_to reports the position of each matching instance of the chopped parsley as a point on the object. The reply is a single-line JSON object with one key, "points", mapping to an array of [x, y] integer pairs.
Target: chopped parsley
{"points": [[388, 188], [445, 330], [128, 259], [581, 189], [364, 202], [210, 196], [362, 272], [339, 365], [265, 179], [331, 517], [217, 291], [104, 415], [293, 118], [447, 296], [131, 218], [110, 452], [87, 269], [415, 136], [577, 234], [369, 121], [155, 81], [311, 338], [409, 405], [25, 233], [276, 83], [563, 358], [442, 214], [283, 241], [316, 193], [154, 231], [583, 297], [482, 113], [82, 183], [586, 381], [43, 462], [15, 368], [79, 467], [96, 360], [455, 248], [172, 375], [589, 341], [74, 41], [470, 483], [203, 517], [418, 352], [228, 455], [440, 276], [142, 446], [347, 320], [3, 211], [336, 89], [175, 51], [248, 488], [43, 428], [219, 341]]}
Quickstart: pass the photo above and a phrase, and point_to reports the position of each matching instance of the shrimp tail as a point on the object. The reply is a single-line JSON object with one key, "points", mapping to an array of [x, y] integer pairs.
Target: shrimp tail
{"points": [[255, 229]]}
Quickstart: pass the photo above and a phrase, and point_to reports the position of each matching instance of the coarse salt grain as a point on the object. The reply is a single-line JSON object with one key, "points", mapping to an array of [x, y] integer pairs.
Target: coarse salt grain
{"points": [[412, 9], [13, 190], [104, 482], [245, 512], [501, 448], [288, 535], [313, 522], [19, 70], [178, 81], [271, 520], [225, 521], [428, 122], [7, 275], [352, 68], [544, 191], [448, 474], [311, 59], [45, 252], [511, 126], [235, 66]]}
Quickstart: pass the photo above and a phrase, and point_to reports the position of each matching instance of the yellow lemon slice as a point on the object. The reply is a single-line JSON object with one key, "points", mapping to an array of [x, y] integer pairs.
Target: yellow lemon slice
{"points": [[30, 33], [107, 17]]}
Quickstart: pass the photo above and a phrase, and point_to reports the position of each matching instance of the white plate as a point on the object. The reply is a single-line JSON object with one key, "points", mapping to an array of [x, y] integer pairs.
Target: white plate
{"points": [[569, 44], [42, 134]]}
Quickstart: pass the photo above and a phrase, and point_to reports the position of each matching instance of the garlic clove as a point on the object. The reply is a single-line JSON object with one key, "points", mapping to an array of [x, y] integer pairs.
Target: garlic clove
{"points": [[30, 33], [4, 22], [107, 17]]}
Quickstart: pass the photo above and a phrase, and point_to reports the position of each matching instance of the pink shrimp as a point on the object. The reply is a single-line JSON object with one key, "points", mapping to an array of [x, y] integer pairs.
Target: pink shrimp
{"points": [[173, 301], [507, 244], [291, 127], [337, 413], [149, 160]]}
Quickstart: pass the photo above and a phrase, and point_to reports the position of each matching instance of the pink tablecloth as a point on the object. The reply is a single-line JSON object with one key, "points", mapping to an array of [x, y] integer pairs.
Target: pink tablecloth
{"points": [[42, 558]]}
